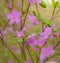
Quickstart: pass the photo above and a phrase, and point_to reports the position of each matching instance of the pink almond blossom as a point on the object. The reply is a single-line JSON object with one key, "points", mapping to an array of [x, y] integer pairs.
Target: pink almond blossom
{"points": [[47, 32], [31, 41], [40, 42], [54, 26], [56, 34], [32, 19], [20, 34], [10, 5], [45, 53], [14, 17]]}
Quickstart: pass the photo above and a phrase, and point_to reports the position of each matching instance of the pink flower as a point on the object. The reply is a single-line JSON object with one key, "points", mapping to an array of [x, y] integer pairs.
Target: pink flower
{"points": [[43, 37], [37, 1], [56, 34], [20, 34], [0, 33], [31, 41], [45, 53], [28, 61], [47, 32], [10, 5], [32, 19], [10, 61], [14, 17], [34, 1], [54, 26], [40, 42], [24, 29], [13, 48], [31, 1], [36, 49]]}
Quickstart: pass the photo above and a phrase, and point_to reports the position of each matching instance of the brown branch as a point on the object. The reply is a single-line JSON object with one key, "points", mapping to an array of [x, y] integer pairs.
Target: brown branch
{"points": [[25, 15]]}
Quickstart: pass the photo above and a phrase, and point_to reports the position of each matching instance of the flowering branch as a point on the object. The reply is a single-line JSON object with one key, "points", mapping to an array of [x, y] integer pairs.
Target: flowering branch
{"points": [[3, 43]]}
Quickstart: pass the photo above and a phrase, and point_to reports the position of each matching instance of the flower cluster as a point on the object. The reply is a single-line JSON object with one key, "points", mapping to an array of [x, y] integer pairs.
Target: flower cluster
{"points": [[14, 17], [32, 46]]}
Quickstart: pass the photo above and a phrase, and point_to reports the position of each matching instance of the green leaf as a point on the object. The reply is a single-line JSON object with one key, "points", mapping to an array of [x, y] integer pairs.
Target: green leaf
{"points": [[26, 33], [20, 40], [39, 17], [43, 20], [58, 5], [48, 23], [43, 4], [54, 30], [53, 3]]}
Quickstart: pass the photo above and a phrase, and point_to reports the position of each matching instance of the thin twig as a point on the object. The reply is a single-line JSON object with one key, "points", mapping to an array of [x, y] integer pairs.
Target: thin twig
{"points": [[4, 44], [25, 16], [30, 54], [57, 44], [57, 54], [22, 5]]}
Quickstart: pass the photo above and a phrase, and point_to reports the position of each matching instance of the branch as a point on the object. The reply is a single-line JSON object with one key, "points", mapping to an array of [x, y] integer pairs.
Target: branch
{"points": [[4, 44], [25, 16]]}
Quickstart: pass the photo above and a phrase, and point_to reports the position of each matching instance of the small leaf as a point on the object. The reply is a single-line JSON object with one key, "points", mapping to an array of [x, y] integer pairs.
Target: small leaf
{"points": [[43, 4], [54, 30], [20, 40], [53, 3], [48, 23], [39, 17], [58, 5], [26, 33]]}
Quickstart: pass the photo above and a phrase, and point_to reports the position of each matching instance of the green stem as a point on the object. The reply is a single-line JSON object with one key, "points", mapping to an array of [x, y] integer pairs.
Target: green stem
{"points": [[23, 51], [37, 61], [57, 44], [51, 19], [55, 17], [30, 55], [37, 9], [25, 16], [22, 5], [53, 13], [22, 13]]}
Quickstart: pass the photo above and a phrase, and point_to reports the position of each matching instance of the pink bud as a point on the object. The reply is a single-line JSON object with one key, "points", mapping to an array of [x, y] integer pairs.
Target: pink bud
{"points": [[10, 6], [10, 61]]}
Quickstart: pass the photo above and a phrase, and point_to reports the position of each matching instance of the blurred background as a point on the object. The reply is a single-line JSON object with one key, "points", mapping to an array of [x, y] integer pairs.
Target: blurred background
{"points": [[46, 13]]}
